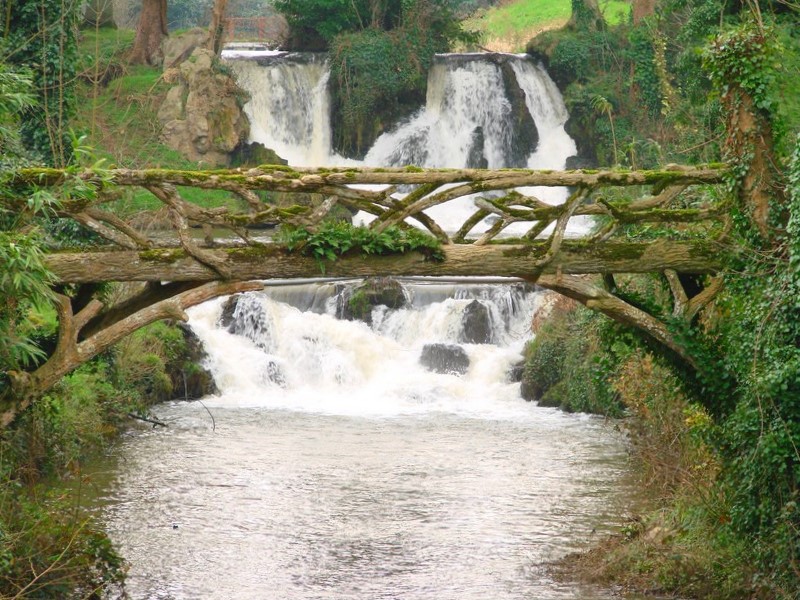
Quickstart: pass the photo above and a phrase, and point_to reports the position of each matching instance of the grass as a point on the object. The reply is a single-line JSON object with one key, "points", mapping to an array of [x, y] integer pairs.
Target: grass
{"points": [[508, 26], [788, 86], [118, 112]]}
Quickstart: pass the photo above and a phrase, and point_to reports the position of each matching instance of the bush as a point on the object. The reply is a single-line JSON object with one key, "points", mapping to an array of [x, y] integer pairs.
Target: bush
{"points": [[566, 367]]}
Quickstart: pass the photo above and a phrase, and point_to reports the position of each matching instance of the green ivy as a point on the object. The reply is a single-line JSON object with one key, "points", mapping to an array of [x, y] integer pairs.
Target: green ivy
{"points": [[40, 35], [336, 238]]}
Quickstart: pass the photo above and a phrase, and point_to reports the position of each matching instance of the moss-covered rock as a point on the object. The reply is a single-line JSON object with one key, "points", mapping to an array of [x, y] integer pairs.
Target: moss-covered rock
{"points": [[357, 303]]}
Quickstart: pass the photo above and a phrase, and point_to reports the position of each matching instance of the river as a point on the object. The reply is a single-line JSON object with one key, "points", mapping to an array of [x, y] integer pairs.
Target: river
{"points": [[333, 465]]}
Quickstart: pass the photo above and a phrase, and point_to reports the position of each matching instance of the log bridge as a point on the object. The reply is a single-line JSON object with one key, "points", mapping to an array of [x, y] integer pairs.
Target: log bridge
{"points": [[672, 222]]}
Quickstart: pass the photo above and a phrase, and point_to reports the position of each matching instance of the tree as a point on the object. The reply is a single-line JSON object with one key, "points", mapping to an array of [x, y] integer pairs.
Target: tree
{"points": [[150, 32], [217, 28], [38, 36], [586, 16]]}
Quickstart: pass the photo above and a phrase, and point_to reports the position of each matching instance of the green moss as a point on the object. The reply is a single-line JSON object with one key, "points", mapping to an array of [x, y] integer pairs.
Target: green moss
{"points": [[413, 169]]}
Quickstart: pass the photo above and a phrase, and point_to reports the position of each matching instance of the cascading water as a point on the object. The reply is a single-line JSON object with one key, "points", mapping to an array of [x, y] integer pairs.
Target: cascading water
{"points": [[296, 354], [351, 461], [491, 111], [289, 103]]}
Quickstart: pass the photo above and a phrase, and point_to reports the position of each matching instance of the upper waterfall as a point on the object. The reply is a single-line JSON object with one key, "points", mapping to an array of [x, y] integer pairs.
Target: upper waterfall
{"points": [[482, 110], [289, 108]]}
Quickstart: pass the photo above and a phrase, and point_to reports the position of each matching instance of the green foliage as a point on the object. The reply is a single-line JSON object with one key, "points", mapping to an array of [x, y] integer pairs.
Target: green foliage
{"points": [[16, 100], [377, 74], [641, 54], [24, 284], [334, 239], [50, 549], [745, 57], [566, 366], [40, 35], [570, 60], [328, 18]]}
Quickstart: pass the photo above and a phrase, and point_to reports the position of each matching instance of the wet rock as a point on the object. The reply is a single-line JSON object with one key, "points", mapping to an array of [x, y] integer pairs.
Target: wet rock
{"points": [[476, 159], [444, 358], [476, 324], [228, 311], [524, 136], [190, 379], [357, 303], [516, 371], [250, 320], [255, 154], [274, 373]]}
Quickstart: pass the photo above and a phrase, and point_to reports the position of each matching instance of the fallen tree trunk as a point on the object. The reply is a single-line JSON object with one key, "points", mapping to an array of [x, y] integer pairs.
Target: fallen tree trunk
{"points": [[274, 261]]}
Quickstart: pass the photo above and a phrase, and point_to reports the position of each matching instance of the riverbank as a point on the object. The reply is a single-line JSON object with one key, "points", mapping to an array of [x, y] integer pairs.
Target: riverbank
{"points": [[51, 547]]}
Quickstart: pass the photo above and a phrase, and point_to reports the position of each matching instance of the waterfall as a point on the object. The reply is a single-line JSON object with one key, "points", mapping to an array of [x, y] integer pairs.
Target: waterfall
{"points": [[470, 117], [289, 103], [268, 353], [482, 110]]}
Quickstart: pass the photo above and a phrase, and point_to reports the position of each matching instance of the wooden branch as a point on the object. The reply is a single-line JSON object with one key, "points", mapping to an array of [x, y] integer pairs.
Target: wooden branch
{"points": [[114, 221], [100, 229], [557, 237], [27, 387], [701, 300], [169, 195], [151, 293], [593, 296], [478, 216], [680, 301]]}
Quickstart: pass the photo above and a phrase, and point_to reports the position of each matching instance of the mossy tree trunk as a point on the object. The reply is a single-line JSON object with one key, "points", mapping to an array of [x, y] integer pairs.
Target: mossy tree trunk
{"points": [[79, 342]]}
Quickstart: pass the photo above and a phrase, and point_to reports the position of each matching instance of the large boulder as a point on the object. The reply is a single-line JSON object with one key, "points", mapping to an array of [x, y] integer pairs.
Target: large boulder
{"points": [[201, 115], [523, 134], [177, 48], [444, 358], [244, 315], [476, 324], [357, 303], [228, 311]]}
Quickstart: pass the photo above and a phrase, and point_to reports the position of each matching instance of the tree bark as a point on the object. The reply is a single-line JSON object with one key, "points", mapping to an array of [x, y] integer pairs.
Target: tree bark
{"points": [[217, 29], [595, 297], [273, 261], [150, 32], [641, 9]]}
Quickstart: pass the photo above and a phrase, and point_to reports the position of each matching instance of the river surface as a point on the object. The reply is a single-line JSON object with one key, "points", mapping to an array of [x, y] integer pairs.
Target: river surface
{"points": [[355, 473]]}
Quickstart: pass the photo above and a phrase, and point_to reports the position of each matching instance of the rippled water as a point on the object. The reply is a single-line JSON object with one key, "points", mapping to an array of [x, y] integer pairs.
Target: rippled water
{"points": [[277, 504]]}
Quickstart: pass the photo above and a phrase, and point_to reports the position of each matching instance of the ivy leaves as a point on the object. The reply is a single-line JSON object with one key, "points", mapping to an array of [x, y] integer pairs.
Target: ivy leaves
{"points": [[335, 239]]}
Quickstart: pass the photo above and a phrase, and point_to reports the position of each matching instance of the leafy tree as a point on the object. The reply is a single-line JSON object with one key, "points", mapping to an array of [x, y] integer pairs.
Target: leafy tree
{"points": [[24, 281], [328, 18], [40, 35]]}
